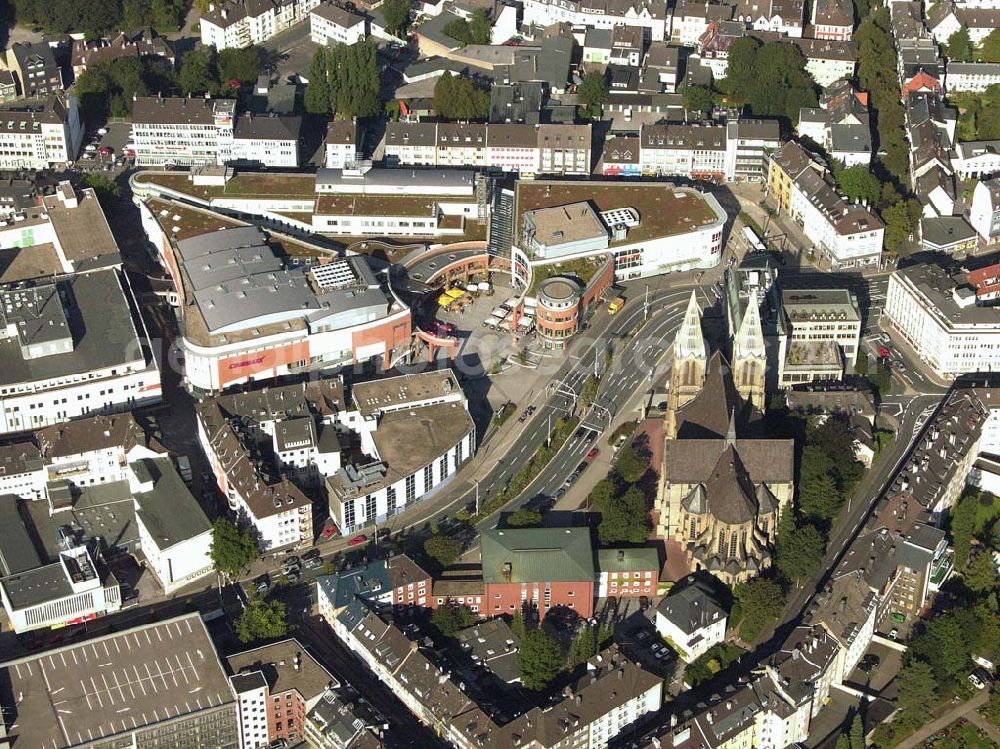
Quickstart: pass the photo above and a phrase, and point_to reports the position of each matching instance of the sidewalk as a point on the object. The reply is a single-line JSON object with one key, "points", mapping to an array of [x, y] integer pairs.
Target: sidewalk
{"points": [[964, 710]]}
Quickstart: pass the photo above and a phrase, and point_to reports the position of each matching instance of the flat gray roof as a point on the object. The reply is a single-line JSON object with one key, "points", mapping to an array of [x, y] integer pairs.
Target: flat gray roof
{"points": [[36, 586], [935, 285], [101, 321], [413, 179], [114, 684]]}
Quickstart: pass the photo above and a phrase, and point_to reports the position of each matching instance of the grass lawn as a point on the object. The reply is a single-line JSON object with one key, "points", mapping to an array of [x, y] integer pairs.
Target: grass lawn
{"points": [[716, 660], [582, 268], [960, 735]]}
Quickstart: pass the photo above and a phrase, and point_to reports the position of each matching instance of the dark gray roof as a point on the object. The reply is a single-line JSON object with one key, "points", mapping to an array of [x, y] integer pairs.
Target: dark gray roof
{"points": [[36, 586], [598, 38], [248, 682], [103, 328], [170, 514], [851, 138], [267, 128], [692, 607], [945, 230], [17, 552]]}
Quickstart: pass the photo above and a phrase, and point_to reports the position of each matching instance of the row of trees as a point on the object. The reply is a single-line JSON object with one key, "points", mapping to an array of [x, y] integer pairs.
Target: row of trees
{"points": [[877, 75], [343, 80], [99, 18], [770, 78], [458, 98], [106, 89]]}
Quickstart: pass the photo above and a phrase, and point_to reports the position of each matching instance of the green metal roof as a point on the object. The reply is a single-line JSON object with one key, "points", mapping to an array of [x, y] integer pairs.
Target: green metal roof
{"points": [[627, 560], [537, 555]]}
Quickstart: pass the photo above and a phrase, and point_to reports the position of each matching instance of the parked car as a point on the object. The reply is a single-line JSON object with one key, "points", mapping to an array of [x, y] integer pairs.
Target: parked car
{"points": [[883, 352], [330, 530], [293, 574], [292, 561], [593, 453], [893, 633], [980, 678], [311, 554], [357, 540], [314, 563], [262, 584]]}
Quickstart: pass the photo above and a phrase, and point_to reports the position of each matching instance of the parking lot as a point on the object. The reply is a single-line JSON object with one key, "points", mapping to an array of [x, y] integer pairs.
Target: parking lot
{"points": [[118, 135]]}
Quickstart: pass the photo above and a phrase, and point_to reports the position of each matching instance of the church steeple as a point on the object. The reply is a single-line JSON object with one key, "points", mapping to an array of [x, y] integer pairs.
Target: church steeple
{"points": [[689, 340], [731, 432], [689, 363], [749, 355]]}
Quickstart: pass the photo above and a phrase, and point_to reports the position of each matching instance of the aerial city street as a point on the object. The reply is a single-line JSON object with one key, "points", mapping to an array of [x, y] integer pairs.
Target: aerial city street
{"points": [[500, 374]]}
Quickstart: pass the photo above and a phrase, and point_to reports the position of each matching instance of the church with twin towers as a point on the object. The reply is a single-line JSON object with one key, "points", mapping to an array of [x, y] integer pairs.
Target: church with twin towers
{"points": [[723, 482]]}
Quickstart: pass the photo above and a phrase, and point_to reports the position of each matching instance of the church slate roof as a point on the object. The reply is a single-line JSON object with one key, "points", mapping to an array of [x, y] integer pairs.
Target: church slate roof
{"points": [[707, 415], [730, 494]]}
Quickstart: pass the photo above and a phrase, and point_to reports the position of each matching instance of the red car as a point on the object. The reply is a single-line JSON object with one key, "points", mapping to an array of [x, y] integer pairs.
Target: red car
{"points": [[357, 540], [106, 151], [593, 453], [330, 531], [883, 352]]}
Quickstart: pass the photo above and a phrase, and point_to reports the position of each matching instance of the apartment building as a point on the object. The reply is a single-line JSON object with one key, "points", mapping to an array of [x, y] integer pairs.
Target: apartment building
{"points": [[612, 696], [947, 317], [179, 648], [239, 23], [627, 573], [141, 46], [341, 145], [691, 618], [841, 124], [646, 14], [513, 147], [403, 459], [37, 71], [984, 213], [734, 152], [971, 76], [40, 138], [270, 141], [844, 235], [276, 686], [331, 24], [833, 19], [263, 445]]}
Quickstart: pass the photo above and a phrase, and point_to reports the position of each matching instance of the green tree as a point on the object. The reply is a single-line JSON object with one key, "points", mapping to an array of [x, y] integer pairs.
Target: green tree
{"points": [[524, 516], [541, 659], [991, 710], [582, 647], [199, 71], [843, 741], [917, 690], [442, 549], [981, 575], [396, 14], [448, 620], [625, 518], [588, 392], [762, 601], [990, 49], [240, 66], [800, 554], [959, 47], [697, 98], [859, 184], [593, 91], [963, 524], [771, 79], [232, 548], [517, 625], [107, 190], [476, 30], [262, 620], [317, 96], [819, 497], [944, 645], [458, 98], [631, 464], [857, 735]]}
